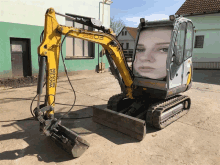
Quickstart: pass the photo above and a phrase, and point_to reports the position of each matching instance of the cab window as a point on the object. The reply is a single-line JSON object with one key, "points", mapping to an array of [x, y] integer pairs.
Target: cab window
{"points": [[189, 41], [179, 44]]}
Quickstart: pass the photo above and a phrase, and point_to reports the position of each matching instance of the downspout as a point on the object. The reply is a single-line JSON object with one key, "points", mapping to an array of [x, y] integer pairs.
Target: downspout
{"points": [[102, 23], [104, 1]]}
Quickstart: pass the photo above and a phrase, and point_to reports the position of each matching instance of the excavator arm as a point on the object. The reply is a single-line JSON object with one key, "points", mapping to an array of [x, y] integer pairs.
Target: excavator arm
{"points": [[51, 45], [49, 52]]}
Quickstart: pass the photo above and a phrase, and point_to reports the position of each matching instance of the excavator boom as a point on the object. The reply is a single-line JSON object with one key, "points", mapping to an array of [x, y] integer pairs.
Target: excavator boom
{"points": [[50, 48]]}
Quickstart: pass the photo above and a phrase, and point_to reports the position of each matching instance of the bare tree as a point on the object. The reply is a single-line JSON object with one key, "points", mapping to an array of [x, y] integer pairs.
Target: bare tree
{"points": [[116, 25]]}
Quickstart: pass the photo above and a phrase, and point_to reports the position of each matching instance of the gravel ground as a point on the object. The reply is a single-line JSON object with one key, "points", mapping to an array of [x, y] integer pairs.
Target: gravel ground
{"points": [[192, 140]]}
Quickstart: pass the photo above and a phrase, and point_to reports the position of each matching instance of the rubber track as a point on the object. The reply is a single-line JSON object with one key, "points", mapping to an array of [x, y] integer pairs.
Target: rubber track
{"points": [[114, 100], [161, 109], [155, 111]]}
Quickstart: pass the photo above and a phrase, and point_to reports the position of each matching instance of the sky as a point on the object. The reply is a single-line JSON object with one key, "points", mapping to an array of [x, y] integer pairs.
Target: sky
{"points": [[131, 11]]}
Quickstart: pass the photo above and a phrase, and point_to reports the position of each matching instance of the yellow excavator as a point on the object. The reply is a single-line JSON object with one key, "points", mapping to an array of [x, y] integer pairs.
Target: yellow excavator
{"points": [[150, 90]]}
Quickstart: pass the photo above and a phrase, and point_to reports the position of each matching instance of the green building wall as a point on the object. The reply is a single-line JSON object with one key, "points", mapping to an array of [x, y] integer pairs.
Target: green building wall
{"points": [[33, 33], [207, 25]]}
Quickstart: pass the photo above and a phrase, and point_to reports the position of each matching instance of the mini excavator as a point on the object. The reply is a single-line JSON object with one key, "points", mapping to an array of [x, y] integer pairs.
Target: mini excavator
{"points": [[142, 101]]}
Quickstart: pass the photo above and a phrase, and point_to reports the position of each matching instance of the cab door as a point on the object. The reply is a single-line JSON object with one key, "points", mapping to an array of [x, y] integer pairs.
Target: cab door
{"points": [[188, 68], [176, 65]]}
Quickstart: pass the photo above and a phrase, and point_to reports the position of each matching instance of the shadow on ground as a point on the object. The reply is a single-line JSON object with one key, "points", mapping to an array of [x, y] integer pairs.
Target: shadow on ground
{"points": [[207, 76], [45, 150], [38, 144]]}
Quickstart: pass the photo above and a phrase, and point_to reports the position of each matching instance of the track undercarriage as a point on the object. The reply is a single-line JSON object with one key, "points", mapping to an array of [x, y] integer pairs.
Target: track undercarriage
{"points": [[131, 116]]}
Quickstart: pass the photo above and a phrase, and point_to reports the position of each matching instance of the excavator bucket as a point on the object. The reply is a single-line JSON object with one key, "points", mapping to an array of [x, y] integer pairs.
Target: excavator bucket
{"points": [[62, 136], [69, 141], [131, 126]]}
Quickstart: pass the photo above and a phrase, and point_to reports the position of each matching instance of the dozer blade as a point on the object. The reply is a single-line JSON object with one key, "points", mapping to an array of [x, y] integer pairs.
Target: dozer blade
{"points": [[68, 140], [128, 125]]}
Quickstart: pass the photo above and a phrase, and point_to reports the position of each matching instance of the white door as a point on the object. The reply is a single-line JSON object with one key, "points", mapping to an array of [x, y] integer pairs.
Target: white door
{"points": [[177, 63], [187, 74]]}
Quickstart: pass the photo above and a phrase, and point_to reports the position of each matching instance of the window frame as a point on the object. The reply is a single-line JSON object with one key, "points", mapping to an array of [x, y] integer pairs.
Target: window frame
{"points": [[127, 46], [91, 55], [202, 41], [122, 45]]}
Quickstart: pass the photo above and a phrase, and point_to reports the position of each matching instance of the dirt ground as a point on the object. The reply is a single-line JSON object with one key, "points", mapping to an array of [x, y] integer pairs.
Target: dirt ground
{"points": [[193, 140]]}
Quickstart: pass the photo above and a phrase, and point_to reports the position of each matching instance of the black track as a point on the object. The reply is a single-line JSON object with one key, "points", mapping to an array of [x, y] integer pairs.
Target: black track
{"points": [[154, 111]]}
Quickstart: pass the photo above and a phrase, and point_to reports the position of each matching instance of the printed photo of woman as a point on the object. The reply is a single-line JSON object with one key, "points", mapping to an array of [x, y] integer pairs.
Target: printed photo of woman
{"points": [[151, 53]]}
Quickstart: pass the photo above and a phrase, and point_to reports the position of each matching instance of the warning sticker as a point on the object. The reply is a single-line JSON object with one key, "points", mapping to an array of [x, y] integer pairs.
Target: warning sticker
{"points": [[52, 75]]}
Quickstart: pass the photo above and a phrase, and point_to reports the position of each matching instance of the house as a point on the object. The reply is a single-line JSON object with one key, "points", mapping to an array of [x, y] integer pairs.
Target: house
{"points": [[21, 25], [205, 15], [127, 37]]}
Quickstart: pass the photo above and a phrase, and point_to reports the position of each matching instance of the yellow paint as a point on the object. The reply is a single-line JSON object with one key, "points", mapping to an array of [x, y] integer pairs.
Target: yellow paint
{"points": [[170, 92], [189, 77], [50, 47]]}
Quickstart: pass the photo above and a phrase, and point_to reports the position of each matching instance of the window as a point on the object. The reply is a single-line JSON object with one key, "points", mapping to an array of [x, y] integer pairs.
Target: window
{"points": [[78, 48], [125, 32], [199, 41], [179, 44], [122, 33], [189, 41], [177, 57], [122, 45], [127, 45]]}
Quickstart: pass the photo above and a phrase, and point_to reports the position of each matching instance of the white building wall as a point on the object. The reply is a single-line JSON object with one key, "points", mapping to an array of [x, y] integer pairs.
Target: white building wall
{"points": [[131, 44], [32, 12], [125, 37], [208, 25]]}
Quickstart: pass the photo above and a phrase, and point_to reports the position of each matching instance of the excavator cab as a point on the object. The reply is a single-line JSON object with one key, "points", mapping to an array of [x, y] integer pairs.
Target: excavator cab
{"points": [[162, 58], [161, 70]]}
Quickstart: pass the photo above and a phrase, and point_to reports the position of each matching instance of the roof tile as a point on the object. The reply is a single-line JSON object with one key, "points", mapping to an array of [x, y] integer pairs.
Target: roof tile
{"points": [[199, 7], [132, 31]]}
